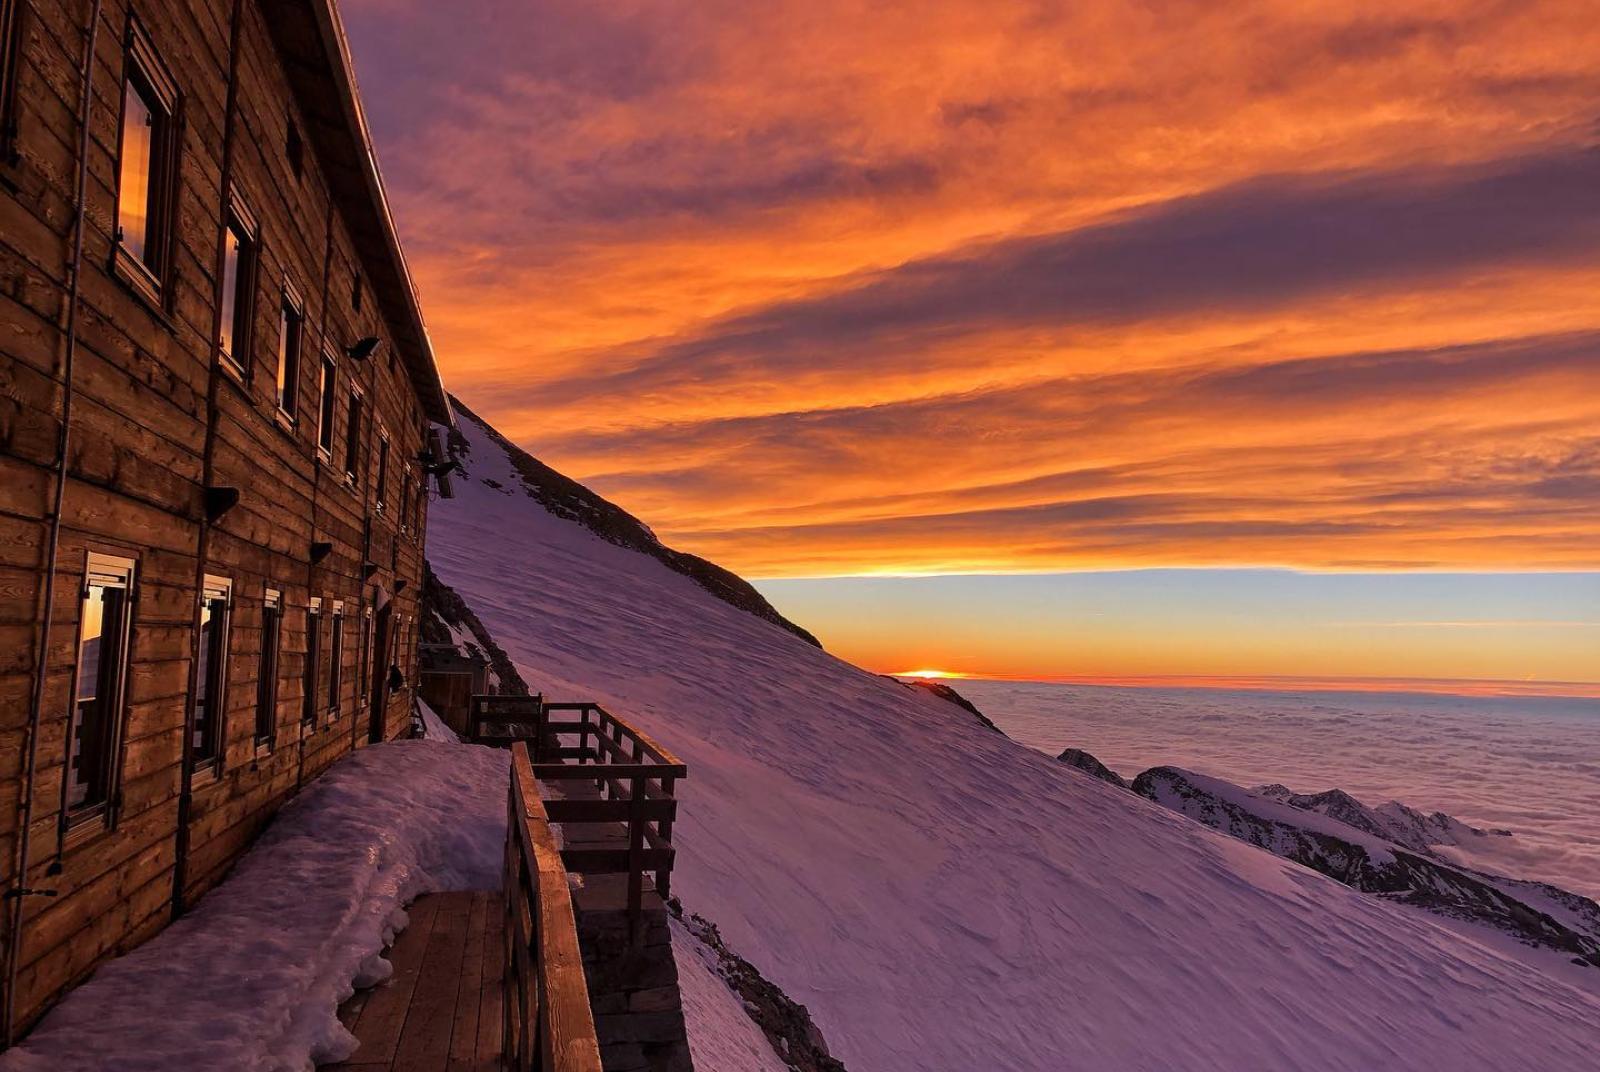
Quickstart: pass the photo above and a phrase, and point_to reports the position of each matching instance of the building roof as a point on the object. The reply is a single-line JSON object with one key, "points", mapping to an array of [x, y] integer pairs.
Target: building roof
{"points": [[310, 38]]}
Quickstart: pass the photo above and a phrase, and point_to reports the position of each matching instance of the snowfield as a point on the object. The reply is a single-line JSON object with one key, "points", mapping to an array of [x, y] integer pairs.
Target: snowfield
{"points": [[943, 898], [251, 979]]}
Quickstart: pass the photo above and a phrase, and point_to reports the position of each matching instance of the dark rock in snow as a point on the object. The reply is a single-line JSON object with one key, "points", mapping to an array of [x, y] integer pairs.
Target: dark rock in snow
{"points": [[1534, 913], [444, 610], [1393, 821], [945, 692], [1077, 757], [796, 1040], [566, 498]]}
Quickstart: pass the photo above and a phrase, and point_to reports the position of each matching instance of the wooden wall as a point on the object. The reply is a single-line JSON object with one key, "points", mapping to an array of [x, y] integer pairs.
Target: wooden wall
{"points": [[151, 402]]}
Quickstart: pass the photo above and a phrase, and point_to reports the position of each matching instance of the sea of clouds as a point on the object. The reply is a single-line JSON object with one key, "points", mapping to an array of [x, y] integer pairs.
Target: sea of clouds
{"points": [[1527, 764]]}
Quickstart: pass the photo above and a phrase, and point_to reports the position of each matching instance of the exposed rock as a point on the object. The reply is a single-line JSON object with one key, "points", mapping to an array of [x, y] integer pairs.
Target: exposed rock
{"points": [[945, 692], [444, 618], [566, 498], [1393, 821], [1077, 757], [786, 1023], [1359, 858]]}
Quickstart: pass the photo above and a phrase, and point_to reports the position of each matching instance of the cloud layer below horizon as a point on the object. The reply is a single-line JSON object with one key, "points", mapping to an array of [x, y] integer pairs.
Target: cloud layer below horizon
{"points": [[831, 288]]}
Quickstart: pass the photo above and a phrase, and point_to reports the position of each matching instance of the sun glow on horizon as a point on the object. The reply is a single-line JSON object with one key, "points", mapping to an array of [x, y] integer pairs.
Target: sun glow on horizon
{"points": [[930, 675]]}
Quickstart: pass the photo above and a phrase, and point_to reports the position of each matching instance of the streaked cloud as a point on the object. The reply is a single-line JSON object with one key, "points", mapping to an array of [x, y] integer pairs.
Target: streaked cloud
{"points": [[830, 288]]}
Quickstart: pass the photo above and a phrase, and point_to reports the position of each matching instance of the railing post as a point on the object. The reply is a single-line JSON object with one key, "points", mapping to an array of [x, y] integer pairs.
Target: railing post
{"points": [[541, 719], [664, 832], [636, 860]]}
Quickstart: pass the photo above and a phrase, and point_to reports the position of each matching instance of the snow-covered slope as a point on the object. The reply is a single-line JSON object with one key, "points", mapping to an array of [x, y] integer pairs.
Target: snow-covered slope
{"points": [[943, 898]]}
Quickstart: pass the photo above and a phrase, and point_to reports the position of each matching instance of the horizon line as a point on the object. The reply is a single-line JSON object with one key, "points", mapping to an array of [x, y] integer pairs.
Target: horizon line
{"points": [[1297, 683]]}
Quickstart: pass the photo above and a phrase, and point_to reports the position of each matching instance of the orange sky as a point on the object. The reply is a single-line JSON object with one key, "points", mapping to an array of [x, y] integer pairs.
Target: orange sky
{"points": [[832, 288]]}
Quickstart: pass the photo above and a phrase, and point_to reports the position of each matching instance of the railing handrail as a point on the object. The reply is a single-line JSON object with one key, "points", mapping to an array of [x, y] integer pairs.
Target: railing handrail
{"points": [[635, 775], [549, 1025]]}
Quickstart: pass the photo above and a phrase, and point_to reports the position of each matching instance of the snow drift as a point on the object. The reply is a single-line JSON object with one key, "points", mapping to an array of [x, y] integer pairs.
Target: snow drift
{"points": [[251, 979], [941, 897]]}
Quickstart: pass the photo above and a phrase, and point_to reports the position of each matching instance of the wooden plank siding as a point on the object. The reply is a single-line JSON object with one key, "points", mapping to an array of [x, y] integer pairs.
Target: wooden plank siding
{"points": [[156, 418]]}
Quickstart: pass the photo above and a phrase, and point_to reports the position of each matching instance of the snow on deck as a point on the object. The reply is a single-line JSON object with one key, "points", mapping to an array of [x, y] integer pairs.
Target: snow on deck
{"points": [[250, 980], [941, 897]]}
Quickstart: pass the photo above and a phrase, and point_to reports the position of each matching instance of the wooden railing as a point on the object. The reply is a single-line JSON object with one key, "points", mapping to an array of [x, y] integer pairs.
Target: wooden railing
{"points": [[548, 1026], [583, 742]]}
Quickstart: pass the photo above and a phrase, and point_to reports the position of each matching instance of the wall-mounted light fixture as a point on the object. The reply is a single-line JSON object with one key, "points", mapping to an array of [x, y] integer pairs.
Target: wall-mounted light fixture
{"points": [[362, 349]]}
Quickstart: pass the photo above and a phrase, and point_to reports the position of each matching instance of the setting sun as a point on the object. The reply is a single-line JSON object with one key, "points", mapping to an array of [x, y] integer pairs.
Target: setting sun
{"points": [[929, 674]]}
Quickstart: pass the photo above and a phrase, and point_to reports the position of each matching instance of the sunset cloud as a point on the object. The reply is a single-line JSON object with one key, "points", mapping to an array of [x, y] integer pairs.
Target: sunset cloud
{"points": [[833, 288]]}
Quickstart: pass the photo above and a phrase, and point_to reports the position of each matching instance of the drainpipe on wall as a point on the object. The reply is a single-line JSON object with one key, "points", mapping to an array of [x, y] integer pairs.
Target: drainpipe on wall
{"points": [[180, 865], [18, 894]]}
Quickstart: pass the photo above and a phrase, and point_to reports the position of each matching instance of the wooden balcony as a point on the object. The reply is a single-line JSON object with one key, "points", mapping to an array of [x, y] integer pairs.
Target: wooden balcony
{"points": [[567, 968]]}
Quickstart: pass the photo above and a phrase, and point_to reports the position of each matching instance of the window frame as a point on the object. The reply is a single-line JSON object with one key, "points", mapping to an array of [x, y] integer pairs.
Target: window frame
{"points": [[148, 273], [354, 412], [238, 220], [10, 67], [380, 477], [327, 406], [291, 310], [112, 571], [267, 668], [212, 673], [364, 657], [311, 661], [336, 661]]}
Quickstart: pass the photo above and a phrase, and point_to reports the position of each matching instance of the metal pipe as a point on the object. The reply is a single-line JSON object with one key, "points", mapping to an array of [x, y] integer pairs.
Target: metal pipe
{"points": [[180, 848], [18, 895]]}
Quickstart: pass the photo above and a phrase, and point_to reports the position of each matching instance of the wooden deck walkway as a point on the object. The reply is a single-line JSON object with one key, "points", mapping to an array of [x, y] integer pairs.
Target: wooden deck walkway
{"points": [[441, 1010]]}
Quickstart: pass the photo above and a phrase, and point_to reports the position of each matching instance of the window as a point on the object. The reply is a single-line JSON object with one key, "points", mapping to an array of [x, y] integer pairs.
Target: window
{"points": [[364, 655], [405, 499], [382, 479], [104, 628], [325, 407], [308, 709], [238, 287], [267, 675], [10, 54], [211, 678], [291, 329], [336, 663], [295, 150], [146, 167], [352, 439]]}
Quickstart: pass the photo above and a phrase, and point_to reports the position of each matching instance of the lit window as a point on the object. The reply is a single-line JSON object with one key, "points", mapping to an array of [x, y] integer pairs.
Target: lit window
{"points": [[308, 709], [267, 672], [238, 288], [325, 407], [146, 168], [336, 662], [352, 439], [103, 648], [291, 329], [211, 678]]}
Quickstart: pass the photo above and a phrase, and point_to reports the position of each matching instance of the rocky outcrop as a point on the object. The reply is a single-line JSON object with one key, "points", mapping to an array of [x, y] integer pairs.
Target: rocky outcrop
{"points": [[945, 692], [785, 1022], [1534, 913], [1081, 760], [566, 498], [445, 618], [1394, 821]]}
